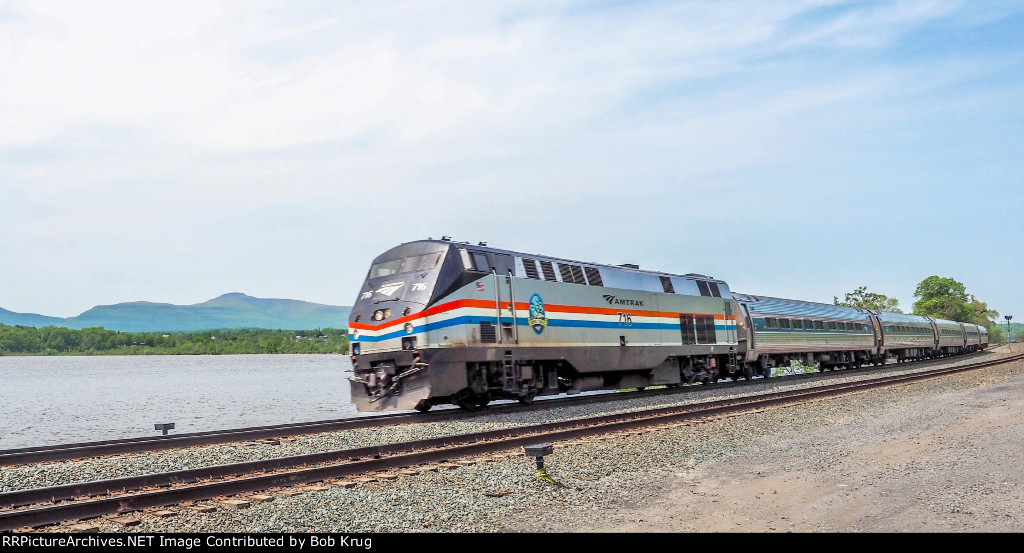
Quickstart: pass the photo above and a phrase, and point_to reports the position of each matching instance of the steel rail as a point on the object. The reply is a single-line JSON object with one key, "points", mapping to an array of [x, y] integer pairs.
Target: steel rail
{"points": [[398, 455], [63, 452]]}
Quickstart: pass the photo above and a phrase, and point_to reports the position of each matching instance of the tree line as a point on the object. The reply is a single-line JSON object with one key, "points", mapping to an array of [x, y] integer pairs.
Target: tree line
{"points": [[939, 297], [52, 340]]}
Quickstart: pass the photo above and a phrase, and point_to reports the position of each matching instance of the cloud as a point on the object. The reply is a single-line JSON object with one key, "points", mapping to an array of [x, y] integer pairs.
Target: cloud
{"points": [[163, 124]]}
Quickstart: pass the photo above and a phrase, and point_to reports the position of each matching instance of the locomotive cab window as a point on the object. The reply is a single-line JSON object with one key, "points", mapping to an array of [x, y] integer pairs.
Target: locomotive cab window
{"points": [[385, 268], [475, 261], [423, 262]]}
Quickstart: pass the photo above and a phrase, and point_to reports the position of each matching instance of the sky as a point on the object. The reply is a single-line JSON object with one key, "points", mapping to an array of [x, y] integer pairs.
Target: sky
{"points": [[176, 151]]}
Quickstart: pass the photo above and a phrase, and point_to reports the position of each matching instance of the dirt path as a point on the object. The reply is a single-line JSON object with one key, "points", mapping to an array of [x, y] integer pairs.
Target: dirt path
{"points": [[943, 463]]}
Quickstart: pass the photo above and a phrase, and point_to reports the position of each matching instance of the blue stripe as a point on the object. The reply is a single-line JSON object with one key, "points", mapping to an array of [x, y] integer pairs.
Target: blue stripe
{"points": [[522, 322]]}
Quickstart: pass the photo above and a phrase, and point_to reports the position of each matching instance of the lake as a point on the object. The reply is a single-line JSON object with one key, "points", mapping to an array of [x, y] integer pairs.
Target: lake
{"points": [[63, 399]]}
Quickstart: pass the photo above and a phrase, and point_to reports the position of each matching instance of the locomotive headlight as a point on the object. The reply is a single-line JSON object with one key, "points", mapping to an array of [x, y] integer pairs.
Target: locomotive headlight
{"points": [[407, 311], [355, 333], [387, 313], [408, 328], [355, 349], [378, 315]]}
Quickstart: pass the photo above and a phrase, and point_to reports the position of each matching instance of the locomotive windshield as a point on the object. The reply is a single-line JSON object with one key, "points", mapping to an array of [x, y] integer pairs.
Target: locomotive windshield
{"points": [[423, 262], [385, 268]]}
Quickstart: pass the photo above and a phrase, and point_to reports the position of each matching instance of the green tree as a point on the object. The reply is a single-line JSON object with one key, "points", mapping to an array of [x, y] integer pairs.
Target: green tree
{"points": [[869, 300], [982, 315], [996, 335], [946, 298], [943, 298]]}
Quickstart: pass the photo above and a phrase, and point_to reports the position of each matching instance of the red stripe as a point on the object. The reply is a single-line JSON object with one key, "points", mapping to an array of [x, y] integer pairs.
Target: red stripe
{"points": [[524, 308]]}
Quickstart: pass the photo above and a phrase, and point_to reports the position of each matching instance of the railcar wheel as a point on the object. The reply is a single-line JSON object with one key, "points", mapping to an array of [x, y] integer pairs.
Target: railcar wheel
{"points": [[423, 406], [469, 401], [528, 397]]}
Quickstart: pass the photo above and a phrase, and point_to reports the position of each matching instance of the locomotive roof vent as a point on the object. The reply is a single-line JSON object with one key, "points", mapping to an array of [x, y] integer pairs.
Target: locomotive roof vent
{"points": [[630, 266], [481, 243], [446, 238]]}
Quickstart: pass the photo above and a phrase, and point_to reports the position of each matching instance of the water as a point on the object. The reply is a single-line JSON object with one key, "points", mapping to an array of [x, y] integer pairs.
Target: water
{"points": [[56, 400]]}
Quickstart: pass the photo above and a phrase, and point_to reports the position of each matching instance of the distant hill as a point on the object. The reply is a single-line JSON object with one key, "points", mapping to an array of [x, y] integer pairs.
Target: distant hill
{"points": [[1015, 328], [233, 310], [27, 319]]}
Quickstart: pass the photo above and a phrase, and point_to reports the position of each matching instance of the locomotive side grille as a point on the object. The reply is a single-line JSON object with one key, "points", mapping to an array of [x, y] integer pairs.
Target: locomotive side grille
{"points": [[577, 274], [566, 272], [548, 270], [530, 266], [488, 335], [703, 287], [706, 329], [593, 276], [686, 326]]}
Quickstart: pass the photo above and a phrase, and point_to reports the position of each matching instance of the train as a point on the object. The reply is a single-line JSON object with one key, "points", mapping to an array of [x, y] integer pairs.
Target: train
{"points": [[441, 322]]}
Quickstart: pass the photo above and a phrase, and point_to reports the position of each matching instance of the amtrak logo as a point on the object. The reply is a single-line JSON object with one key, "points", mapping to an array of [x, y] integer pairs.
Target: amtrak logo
{"points": [[538, 318], [390, 288], [612, 300]]}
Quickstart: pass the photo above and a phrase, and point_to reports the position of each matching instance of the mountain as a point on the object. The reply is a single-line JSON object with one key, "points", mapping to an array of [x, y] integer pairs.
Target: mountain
{"points": [[27, 319], [233, 310]]}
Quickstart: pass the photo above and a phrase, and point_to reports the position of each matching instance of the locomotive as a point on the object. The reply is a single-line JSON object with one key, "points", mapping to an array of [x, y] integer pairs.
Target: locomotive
{"points": [[442, 322]]}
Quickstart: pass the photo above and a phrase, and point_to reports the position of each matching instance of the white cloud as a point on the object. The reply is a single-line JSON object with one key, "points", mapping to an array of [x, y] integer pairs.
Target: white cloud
{"points": [[156, 124]]}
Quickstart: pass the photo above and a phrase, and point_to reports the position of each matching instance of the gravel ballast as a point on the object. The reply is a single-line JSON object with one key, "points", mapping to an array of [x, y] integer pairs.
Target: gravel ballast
{"points": [[69, 472], [934, 456]]}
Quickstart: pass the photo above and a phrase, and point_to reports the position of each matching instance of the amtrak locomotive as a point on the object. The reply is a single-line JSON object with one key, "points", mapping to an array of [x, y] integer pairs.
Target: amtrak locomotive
{"points": [[441, 322]]}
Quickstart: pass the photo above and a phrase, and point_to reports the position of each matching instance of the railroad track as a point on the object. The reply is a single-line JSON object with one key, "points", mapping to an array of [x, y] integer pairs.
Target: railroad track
{"points": [[63, 452], [21, 509]]}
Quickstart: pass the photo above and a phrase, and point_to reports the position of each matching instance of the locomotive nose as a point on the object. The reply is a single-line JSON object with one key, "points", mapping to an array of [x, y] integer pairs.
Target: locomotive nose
{"points": [[385, 386]]}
